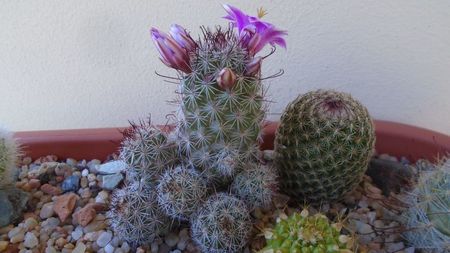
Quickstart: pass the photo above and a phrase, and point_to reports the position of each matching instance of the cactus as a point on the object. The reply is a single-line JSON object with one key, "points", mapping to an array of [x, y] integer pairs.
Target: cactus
{"points": [[301, 232], [221, 225], [221, 105], [427, 218], [146, 150], [9, 151], [135, 215], [323, 146], [255, 185], [180, 191]]}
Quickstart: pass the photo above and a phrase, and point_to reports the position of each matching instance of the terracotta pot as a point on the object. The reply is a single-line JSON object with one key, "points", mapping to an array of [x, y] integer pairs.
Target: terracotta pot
{"points": [[392, 138]]}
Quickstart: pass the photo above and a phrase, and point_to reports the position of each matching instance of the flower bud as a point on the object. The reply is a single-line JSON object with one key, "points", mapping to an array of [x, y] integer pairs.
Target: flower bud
{"points": [[226, 79]]}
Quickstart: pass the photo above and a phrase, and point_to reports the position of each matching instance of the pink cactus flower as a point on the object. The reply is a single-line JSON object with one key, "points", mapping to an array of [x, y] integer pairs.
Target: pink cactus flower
{"points": [[226, 79], [253, 32]]}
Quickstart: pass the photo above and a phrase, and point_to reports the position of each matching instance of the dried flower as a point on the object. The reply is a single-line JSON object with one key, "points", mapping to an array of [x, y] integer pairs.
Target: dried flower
{"points": [[253, 67]]}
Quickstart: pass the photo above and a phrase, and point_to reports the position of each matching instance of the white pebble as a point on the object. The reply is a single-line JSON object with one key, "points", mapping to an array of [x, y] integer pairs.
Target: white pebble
{"points": [[104, 239], [47, 210], [50, 249], [125, 247], [109, 248], [85, 173], [80, 248], [77, 233], [31, 240]]}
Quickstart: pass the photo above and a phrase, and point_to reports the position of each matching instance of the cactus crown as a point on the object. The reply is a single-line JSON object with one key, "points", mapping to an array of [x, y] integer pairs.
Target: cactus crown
{"points": [[427, 219], [221, 225], [301, 232], [9, 151]]}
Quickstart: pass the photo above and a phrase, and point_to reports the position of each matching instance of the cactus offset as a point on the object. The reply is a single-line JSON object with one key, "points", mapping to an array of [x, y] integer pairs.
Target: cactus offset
{"points": [[135, 215], [221, 225], [427, 219], [146, 150], [303, 233], [180, 191], [323, 146], [255, 185]]}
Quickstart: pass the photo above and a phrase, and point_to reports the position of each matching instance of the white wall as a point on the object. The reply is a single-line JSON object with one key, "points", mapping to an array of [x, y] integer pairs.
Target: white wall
{"points": [[83, 64]]}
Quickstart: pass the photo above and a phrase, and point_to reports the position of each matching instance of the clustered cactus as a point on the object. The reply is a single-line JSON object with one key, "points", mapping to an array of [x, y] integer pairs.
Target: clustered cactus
{"points": [[222, 224], [427, 218], [323, 146], [9, 151], [303, 233], [221, 108]]}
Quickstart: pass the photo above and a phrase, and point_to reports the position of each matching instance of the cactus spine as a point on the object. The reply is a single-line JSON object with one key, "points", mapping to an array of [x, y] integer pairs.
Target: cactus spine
{"points": [[221, 225], [323, 146], [427, 219], [301, 232]]}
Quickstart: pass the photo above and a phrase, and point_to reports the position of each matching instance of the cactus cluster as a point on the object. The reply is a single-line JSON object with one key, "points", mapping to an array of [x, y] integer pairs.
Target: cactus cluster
{"points": [[9, 151], [427, 218], [222, 224], [303, 233], [323, 146], [134, 214]]}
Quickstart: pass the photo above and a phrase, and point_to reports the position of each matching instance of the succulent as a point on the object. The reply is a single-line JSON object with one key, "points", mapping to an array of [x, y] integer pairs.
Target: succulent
{"points": [[255, 185], [146, 150], [9, 151], [302, 233], [221, 225], [427, 218], [135, 215], [221, 105], [323, 146], [180, 191]]}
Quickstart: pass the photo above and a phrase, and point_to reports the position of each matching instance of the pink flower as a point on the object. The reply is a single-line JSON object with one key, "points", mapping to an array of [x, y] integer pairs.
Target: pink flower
{"points": [[182, 37], [253, 32], [226, 79], [253, 67], [172, 53]]}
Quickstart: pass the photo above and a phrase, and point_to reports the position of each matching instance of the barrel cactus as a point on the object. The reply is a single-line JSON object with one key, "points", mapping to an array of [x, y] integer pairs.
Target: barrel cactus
{"points": [[221, 105], [323, 146], [135, 215], [301, 232], [221, 225], [9, 151], [427, 219]]}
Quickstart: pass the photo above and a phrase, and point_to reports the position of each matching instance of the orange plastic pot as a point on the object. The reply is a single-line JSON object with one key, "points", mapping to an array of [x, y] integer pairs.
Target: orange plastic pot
{"points": [[392, 138]]}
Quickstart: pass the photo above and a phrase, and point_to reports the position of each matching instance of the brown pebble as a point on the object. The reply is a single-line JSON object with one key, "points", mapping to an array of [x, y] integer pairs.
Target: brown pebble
{"points": [[85, 215], [34, 183], [50, 189], [64, 205]]}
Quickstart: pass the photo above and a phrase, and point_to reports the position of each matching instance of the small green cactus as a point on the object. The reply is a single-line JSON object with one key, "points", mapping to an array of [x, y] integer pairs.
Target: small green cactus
{"points": [[323, 146], [180, 191], [255, 185], [221, 225], [135, 215], [146, 150], [427, 220], [9, 151], [302, 233]]}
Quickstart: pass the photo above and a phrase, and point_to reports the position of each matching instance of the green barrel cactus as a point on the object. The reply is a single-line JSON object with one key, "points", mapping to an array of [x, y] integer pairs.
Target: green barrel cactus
{"points": [[323, 146], [302, 233], [427, 218]]}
